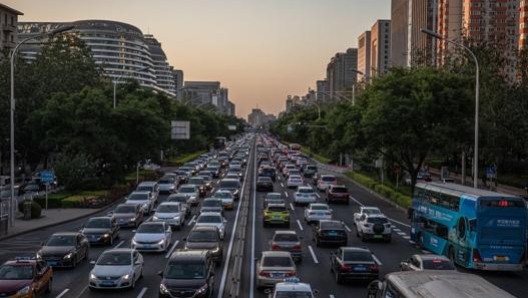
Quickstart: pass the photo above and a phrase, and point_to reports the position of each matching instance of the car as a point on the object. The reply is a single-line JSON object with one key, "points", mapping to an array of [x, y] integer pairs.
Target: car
{"points": [[142, 198], [152, 236], [168, 184], [324, 181], [365, 210], [192, 192], [182, 176], [212, 219], [188, 273], [264, 183], [214, 169], [273, 267], [421, 262], [236, 171], [268, 171], [128, 215], [291, 288], [101, 230], [183, 200], [228, 201], [337, 193], [208, 238], [25, 277], [212, 205], [276, 214], [355, 263], [200, 183], [64, 249], [294, 181], [375, 227], [232, 185], [273, 198], [170, 212], [287, 240], [287, 167], [116, 268], [152, 187], [330, 232], [309, 171], [316, 212], [304, 195], [208, 179]]}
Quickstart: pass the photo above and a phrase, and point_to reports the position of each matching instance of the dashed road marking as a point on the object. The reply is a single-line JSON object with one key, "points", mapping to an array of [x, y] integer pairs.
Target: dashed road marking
{"points": [[143, 291], [406, 237], [119, 244], [313, 254], [300, 225], [193, 219], [286, 193], [282, 185], [171, 249], [291, 207], [402, 234], [62, 293], [348, 229], [395, 229], [376, 260], [331, 296]]}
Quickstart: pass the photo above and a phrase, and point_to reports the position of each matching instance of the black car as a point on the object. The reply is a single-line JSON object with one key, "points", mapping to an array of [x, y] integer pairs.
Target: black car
{"points": [[354, 263], [101, 230], [264, 184], [330, 232], [268, 172], [128, 215], [64, 249], [206, 237], [188, 274]]}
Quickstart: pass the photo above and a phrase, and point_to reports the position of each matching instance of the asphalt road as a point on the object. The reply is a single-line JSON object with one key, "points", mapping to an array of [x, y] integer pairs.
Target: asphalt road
{"points": [[314, 268]]}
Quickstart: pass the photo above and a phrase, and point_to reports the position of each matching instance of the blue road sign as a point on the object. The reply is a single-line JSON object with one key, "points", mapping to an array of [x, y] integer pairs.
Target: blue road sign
{"points": [[47, 176], [490, 172]]}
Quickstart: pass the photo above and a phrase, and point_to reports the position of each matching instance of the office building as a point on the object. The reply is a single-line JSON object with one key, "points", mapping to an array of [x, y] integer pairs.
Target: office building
{"points": [[162, 69], [400, 42], [201, 92], [380, 47], [523, 24], [178, 83], [8, 26], [321, 88], [231, 108], [363, 64], [449, 25], [339, 74]]}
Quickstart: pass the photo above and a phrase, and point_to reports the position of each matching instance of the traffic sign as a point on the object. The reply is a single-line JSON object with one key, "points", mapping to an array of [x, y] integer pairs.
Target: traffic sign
{"points": [[180, 130], [491, 173], [47, 176]]}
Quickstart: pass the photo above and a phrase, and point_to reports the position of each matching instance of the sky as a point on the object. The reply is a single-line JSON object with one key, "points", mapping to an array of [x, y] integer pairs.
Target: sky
{"points": [[261, 50]]}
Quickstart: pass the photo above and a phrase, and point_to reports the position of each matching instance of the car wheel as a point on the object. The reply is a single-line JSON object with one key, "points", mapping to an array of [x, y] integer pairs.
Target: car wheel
{"points": [[49, 287]]}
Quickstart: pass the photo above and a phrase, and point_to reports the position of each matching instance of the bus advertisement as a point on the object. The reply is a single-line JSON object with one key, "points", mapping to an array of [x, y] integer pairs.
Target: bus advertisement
{"points": [[475, 228]]}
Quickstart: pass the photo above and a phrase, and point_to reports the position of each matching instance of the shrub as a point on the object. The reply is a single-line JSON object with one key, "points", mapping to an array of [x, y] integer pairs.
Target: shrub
{"points": [[384, 190], [53, 202], [36, 210]]}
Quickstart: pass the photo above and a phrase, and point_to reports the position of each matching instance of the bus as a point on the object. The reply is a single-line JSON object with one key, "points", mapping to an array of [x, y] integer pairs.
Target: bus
{"points": [[434, 284], [475, 228]]}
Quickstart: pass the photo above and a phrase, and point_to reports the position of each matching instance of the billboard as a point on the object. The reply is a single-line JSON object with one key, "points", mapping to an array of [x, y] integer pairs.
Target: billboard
{"points": [[180, 130]]}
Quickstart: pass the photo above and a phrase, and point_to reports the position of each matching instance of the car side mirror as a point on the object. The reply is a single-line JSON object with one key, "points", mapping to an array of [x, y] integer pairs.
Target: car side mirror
{"points": [[133, 231], [160, 273], [92, 263]]}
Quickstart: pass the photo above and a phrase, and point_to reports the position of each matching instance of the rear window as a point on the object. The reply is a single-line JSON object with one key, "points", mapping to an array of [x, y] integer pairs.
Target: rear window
{"points": [[286, 238], [339, 190], [328, 179], [264, 179], [277, 262], [437, 265], [374, 220], [229, 184], [331, 226], [305, 190], [359, 256]]}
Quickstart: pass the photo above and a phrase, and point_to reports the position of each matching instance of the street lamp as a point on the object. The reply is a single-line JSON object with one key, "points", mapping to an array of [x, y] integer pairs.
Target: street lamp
{"points": [[119, 78], [12, 113], [475, 151], [354, 85]]}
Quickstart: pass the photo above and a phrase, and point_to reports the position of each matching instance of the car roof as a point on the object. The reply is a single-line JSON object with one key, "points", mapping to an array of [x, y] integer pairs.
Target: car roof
{"points": [[276, 253], [368, 207], [153, 223], [169, 203], [337, 185], [318, 204], [304, 187], [375, 215], [140, 192], [210, 213], [205, 227], [128, 250], [148, 183], [288, 286], [65, 234], [189, 255], [355, 248], [425, 257], [229, 179], [290, 232], [277, 205]]}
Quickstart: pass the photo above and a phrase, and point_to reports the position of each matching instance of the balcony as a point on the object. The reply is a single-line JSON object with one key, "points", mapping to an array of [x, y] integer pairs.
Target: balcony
{"points": [[9, 28]]}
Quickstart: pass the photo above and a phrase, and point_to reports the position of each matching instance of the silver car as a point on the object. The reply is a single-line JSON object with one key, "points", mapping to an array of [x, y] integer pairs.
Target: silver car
{"points": [[142, 198], [212, 219], [171, 213], [316, 212], [212, 205], [168, 184], [152, 236], [273, 267], [116, 269], [182, 199], [192, 193]]}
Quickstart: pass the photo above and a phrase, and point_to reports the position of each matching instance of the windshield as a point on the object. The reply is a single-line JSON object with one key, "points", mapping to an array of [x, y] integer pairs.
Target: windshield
{"points": [[277, 208], [209, 219], [277, 262], [125, 209], [306, 190], [115, 259], [437, 265], [264, 179], [328, 179], [178, 198], [8, 272], [339, 189], [196, 181], [167, 181], [187, 189], [151, 229], [99, 223], [168, 208], [185, 271], [272, 196], [203, 236], [319, 207], [138, 197], [61, 240], [223, 194], [144, 188], [212, 203], [372, 211]]}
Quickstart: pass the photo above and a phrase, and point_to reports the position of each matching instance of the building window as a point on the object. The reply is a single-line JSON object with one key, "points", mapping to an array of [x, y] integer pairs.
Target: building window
{"points": [[12, 20]]}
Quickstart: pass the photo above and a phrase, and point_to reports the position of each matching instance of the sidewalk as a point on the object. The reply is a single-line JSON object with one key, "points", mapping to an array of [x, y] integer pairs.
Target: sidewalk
{"points": [[49, 218]]}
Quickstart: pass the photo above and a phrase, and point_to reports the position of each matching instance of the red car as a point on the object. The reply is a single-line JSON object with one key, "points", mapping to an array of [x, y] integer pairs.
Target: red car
{"points": [[25, 278], [337, 193]]}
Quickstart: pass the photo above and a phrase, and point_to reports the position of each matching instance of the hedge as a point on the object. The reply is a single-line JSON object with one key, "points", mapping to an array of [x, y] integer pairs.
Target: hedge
{"points": [[180, 160], [384, 190]]}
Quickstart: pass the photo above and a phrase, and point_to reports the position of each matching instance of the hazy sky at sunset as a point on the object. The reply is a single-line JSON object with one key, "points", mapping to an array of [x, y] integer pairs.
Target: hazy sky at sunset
{"points": [[262, 50]]}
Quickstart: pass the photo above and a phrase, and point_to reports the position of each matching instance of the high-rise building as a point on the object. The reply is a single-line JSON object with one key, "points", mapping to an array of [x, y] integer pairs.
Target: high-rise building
{"points": [[289, 103], [162, 69], [321, 88], [380, 45], [339, 74], [231, 108], [363, 64], [8, 26], [523, 24], [400, 42], [257, 117], [202, 92], [178, 83], [449, 25], [423, 14]]}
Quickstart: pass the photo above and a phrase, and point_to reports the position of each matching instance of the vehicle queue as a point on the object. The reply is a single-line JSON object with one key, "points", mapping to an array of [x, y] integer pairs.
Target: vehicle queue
{"points": [[189, 272]]}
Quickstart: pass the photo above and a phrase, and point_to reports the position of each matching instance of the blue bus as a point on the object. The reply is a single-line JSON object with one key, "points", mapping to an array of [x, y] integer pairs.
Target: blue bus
{"points": [[475, 228]]}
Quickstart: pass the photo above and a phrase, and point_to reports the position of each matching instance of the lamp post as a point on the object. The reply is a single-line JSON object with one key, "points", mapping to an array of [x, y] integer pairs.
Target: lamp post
{"points": [[12, 114], [476, 149], [354, 85], [119, 78]]}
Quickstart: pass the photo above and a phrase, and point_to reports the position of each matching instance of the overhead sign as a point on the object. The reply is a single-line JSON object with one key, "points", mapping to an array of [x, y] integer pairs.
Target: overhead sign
{"points": [[180, 130], [232, 127], [47, 176]]}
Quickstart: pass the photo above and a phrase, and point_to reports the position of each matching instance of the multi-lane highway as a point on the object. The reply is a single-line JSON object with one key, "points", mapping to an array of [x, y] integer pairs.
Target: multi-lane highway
{"points": [[314, 269]]}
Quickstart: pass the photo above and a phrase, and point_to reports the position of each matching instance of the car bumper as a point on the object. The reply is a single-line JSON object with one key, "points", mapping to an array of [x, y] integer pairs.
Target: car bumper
{"points": [[343, 199], [359, 276], [148, 247], [318, 217], [332, 240], [56, 262], [305, 200], [268, 281], [498, 267], [109, 284], [378, 236]]}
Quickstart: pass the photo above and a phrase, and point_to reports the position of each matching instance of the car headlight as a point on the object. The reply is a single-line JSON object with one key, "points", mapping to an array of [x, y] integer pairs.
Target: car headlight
{"points": [[39, 254], [163, 289], [107, 235], [177, 218], [24, 290], [202, 290], [126, 276], [161, 242], [68, 256], [155, 217], [92, 276], [133, 241], [132, 219], [217, 249], [145, 206]]}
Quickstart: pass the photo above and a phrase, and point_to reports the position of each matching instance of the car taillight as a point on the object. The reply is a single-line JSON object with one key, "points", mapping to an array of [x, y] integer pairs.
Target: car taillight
{"points": [[374, 268], [275, 247], [345, 268], [334, 182], [264, 274], [296, 247], [289, 274], [476, 256]]}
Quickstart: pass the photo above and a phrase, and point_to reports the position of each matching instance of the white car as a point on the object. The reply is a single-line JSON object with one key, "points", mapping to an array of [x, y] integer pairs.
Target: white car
{"points": [[142, 198], [324, 181], [294, 181], [304, 195], [375, 227], [192, 193], [291, 287], [316, 212], [152, 236], [287, 168], [212, 219], [365, 210], [182, 199], [228, 200], [116, 269], [171, 213]]}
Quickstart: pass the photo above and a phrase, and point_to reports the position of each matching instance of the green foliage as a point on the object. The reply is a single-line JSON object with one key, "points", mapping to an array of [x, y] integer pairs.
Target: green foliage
{"points": [[384, 190], [36, 210], [186, 158], [73, 170]]}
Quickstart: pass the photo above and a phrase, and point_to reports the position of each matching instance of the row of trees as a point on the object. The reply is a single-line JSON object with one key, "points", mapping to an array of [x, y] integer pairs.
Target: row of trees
{"points": [[409, 115], [64, 114]]}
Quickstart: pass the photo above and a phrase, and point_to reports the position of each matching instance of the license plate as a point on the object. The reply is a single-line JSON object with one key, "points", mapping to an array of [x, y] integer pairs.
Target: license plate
{"points": [[359, 268], [332, 234], [276, 217], [107, 283], [52, 263], [277, 275], [378, 236], [320, 213]]}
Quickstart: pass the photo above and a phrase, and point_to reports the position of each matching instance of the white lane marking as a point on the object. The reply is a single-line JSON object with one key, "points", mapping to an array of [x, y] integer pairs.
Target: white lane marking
{"points": [[318, 195], [331, 296], [348, 229], [83, 290], [410, 241], [426, 252], [291, 207], [355, 201], [395, 229], [376, 260], [402, 233], [233, 233], [143, 291], [149, 218], [313, 254], [119, 244], [192, 220], [282, 185], [300, 225], [62, 293], [407, 237], [278, 177], [169, 253], [286, 193]]}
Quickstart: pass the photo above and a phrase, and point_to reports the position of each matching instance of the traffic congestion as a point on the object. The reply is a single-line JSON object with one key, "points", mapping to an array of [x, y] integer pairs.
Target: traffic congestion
{"points": [[309, 233]]}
